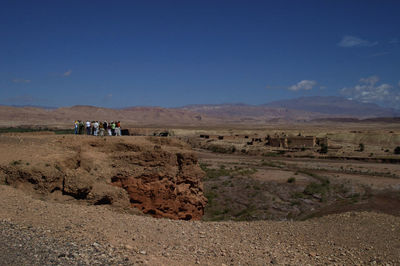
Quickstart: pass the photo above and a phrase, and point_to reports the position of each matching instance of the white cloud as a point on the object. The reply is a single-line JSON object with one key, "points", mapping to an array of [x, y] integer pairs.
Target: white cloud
{"points": [[352, 41], [21, 80], [394, 41], [303, 85], [67, 73], [107, 98], [368, 91], [372, 80]]}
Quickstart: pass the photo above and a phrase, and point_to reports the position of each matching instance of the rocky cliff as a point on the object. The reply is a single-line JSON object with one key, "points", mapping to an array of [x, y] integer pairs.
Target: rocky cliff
{"points": [[160, 177]]}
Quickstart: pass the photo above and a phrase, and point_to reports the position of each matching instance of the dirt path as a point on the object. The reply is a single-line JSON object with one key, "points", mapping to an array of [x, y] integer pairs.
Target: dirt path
{"points": [[349, 238]]}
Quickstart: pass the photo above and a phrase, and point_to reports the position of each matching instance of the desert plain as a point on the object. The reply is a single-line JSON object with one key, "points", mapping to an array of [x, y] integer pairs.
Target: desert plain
{"points": [[207, 194]]}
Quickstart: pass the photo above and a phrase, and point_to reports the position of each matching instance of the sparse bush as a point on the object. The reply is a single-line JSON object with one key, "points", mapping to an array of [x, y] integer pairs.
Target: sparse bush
{"points": [[227, 183], [298, 195], [355, 197], [39, 129], [316, 188], [291, 180], [222, 149], [295, 202], [361, 147], [324, 149], [245, 214], [270, 154], [210, 195], [246, 171], [16, 162], [203, 166]]}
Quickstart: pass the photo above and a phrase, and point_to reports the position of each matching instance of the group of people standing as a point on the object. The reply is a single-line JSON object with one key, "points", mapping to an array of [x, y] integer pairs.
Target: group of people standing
{"points": [[97, 128]]}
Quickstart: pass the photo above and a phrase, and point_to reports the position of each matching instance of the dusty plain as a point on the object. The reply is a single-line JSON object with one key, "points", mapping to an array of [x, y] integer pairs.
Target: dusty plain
{"points": [[83, 200]]}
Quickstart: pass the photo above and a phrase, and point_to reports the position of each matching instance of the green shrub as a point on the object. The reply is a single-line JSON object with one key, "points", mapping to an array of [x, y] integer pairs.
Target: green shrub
{"points": [[291, 180], [316, 188], [16, 162], [397, 150], [210, 195]]}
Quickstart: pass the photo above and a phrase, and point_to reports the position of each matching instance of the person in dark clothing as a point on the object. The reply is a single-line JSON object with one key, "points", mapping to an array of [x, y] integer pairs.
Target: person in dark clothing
{"points": [[105, 126]]}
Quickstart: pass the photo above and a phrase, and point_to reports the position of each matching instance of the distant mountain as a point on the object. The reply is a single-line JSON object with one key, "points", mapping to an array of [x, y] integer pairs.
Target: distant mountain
{"points": [[15, 116], [296, 110], [33, 106], [335, 106], [244, 112]]}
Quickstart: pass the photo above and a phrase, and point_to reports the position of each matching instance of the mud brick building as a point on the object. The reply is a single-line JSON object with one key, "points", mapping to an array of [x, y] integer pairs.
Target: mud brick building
{"points": [[281, 142], [296, 142], [301, 142], [322, 141]]}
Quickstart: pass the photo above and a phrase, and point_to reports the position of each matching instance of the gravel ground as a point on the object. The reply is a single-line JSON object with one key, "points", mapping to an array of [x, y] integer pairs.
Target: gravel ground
{"points": [[34, 232], [21, 245]]}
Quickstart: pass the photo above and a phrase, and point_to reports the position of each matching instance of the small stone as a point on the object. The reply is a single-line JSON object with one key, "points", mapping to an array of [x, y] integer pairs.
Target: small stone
{"points": [[143, 252], [165, 254], [312, 254]]}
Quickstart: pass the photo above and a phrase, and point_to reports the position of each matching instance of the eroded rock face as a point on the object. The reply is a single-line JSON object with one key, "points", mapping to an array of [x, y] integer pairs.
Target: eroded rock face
{"points": [[167, 185], [160, 177]]}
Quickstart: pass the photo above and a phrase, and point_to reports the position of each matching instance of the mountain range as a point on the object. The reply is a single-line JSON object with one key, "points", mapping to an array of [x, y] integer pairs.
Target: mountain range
{"points": [[295, 110], [333, 105]]}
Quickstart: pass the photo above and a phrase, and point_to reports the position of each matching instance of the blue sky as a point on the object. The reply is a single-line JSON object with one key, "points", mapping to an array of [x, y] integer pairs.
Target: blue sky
{"points": [[173, 53]]}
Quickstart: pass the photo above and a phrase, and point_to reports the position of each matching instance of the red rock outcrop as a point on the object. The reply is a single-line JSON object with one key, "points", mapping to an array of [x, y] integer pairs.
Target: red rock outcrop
{"points": [[164, 184], [159, 176]]}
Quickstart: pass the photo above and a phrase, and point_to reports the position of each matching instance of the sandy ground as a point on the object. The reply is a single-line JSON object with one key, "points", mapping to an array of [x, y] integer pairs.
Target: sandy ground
{"points": [[348, 238], [34, 231]]}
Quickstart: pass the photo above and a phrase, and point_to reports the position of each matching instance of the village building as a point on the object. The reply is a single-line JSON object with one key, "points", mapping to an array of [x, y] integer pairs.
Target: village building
{"points": [[296, 142]]}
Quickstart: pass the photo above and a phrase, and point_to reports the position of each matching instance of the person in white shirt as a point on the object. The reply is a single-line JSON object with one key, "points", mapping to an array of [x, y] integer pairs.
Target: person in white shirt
{"points": [[95, 128], [88, 127]]}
